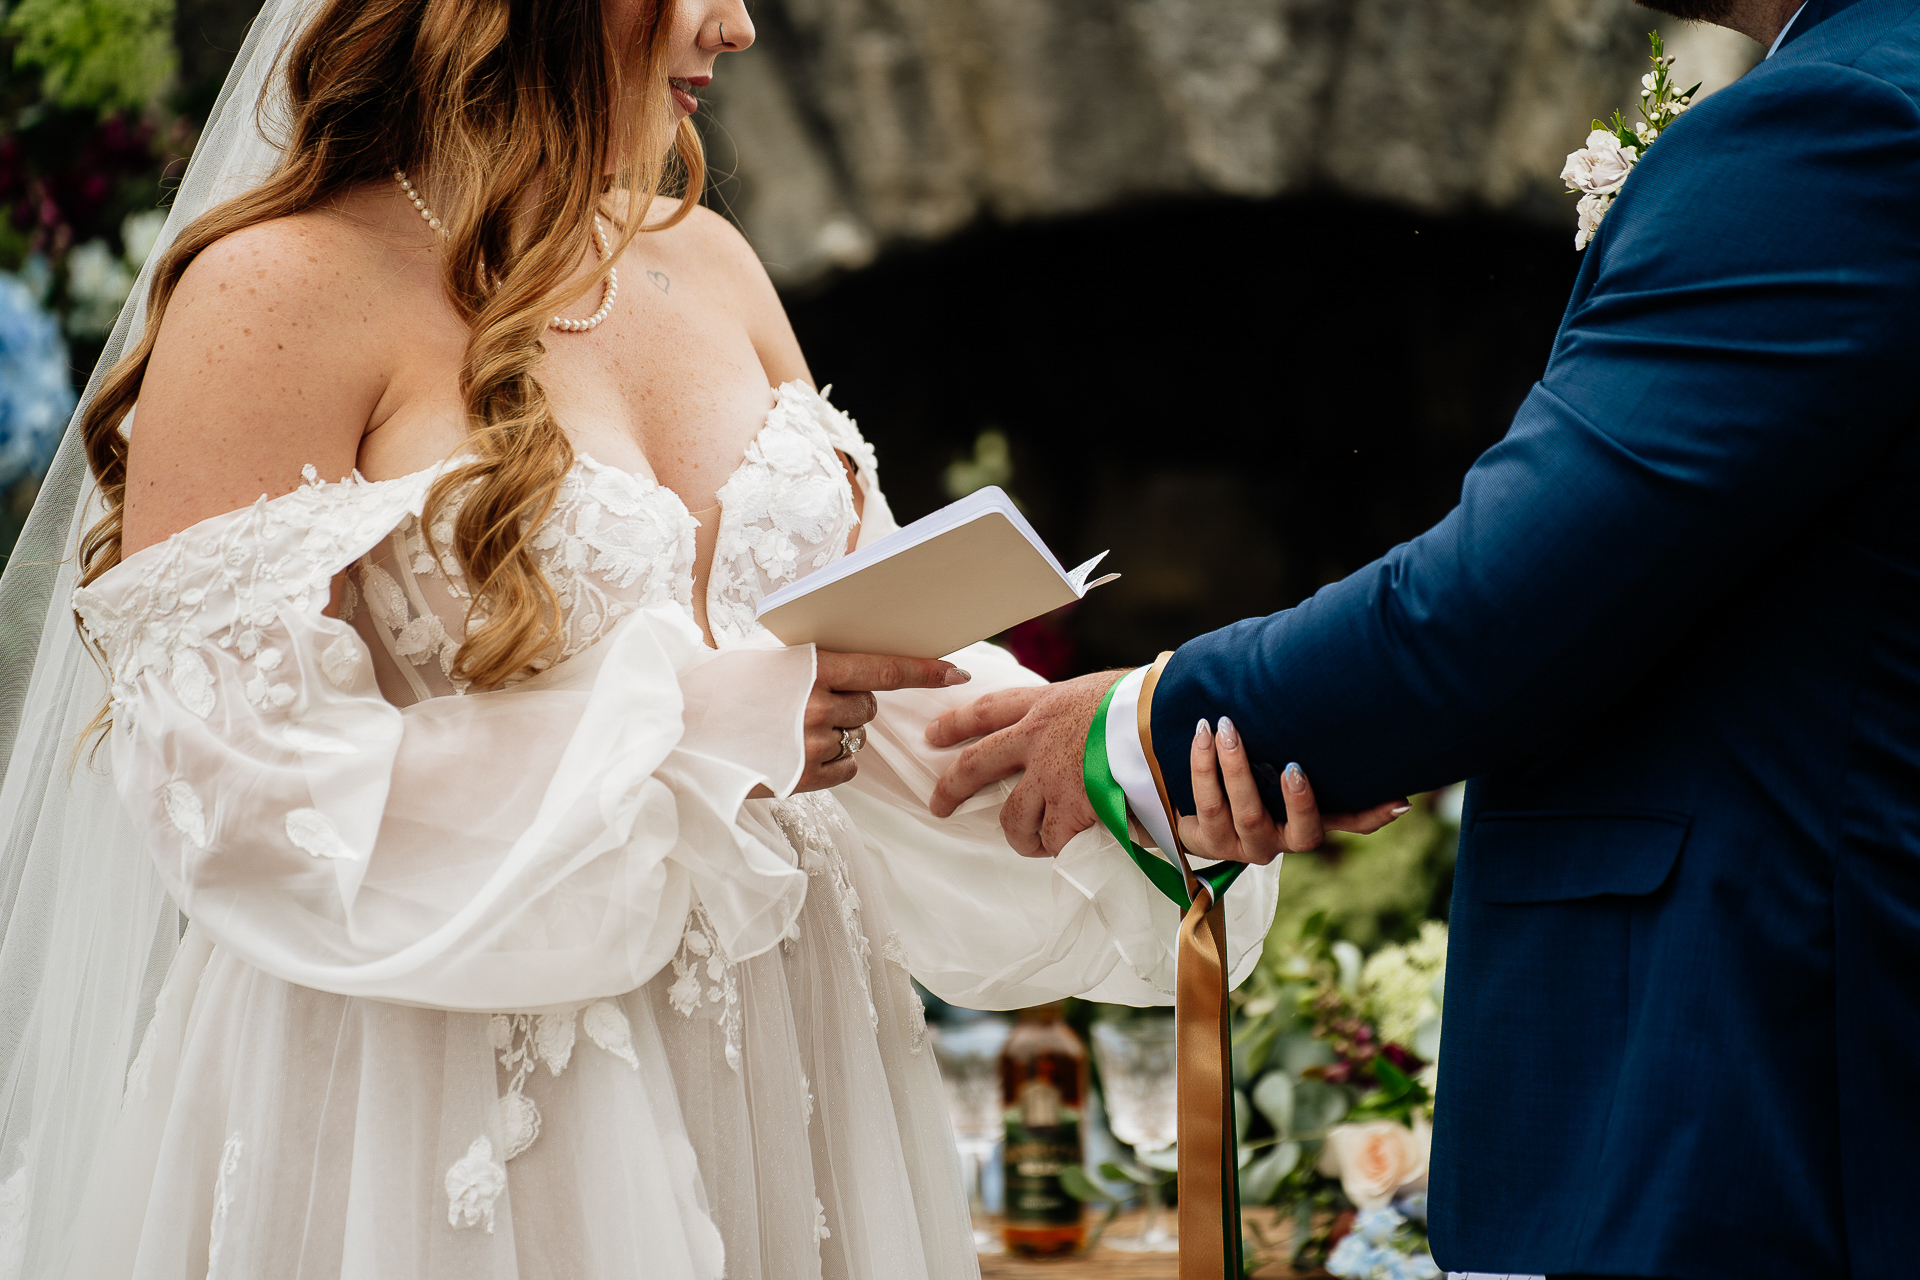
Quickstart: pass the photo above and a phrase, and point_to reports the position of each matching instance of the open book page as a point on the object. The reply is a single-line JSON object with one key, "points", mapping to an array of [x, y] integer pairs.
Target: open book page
{"points": [[966, 572]]}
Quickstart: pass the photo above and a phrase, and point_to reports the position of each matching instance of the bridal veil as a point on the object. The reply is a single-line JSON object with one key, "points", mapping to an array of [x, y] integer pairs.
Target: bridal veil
{"points": [[89, 933]]}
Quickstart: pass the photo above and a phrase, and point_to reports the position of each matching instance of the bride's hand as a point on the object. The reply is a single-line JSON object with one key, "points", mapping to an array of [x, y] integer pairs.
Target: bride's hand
{"points": [[1232, 821], [842, 703]]}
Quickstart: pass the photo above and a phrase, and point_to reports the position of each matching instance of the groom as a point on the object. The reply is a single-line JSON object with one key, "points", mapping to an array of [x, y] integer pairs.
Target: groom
{"points": [[1672, 633]]}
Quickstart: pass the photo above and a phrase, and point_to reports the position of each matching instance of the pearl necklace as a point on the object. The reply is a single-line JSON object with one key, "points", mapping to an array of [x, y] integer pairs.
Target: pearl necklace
{"points": [[561, 323]]}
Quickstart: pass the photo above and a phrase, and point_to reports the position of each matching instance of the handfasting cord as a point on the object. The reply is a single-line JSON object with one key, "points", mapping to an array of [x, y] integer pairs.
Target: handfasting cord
{"points": [[1209, 1157]]}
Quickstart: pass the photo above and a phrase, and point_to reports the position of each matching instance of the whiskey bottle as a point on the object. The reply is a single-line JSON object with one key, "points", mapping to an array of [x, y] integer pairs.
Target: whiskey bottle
{"points": [[1043, 1083]]}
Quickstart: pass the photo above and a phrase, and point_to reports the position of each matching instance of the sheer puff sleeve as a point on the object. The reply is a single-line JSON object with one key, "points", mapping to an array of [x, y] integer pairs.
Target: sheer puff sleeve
{"points": [[983, 927], [533, 846]]}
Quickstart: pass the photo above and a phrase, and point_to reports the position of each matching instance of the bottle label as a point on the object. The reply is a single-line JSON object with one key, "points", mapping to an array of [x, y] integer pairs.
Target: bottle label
{"points": [[1043, 1137]]}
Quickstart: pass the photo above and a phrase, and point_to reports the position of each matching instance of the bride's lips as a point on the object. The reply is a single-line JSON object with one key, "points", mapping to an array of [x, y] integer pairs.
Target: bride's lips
{"points": [[682, 88]]}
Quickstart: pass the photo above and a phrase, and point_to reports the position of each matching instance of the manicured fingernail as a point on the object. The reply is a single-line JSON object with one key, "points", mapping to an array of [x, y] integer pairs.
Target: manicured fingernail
{"points": [[1229, 738], [1296, 780], [1201, 734], [1400, 809], [955, 676]]}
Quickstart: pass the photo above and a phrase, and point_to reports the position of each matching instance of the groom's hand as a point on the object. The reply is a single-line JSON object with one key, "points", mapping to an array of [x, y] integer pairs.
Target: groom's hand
{"points": [[1042, 731]]}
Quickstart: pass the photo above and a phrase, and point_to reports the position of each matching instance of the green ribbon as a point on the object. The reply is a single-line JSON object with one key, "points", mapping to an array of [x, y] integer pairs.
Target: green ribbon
{"points": [[1110, 804]]}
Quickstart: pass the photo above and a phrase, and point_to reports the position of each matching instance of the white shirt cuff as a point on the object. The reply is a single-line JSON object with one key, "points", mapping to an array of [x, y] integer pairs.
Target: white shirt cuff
{"points": [[1129, 762]]}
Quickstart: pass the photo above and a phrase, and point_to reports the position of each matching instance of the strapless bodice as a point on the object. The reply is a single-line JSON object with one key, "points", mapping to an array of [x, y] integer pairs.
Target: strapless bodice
{"points": [[616, 542]]}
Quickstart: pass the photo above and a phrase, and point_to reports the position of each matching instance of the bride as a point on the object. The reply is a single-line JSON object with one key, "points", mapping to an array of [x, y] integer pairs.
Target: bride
{"points": [[486, 894]]}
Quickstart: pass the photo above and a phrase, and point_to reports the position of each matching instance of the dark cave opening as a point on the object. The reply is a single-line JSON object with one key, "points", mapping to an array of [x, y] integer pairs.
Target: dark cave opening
{"points": [[1243, 400]]}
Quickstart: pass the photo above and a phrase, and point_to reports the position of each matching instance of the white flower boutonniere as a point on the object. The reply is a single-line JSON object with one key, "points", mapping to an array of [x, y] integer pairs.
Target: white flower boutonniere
{"points": [[1597, 171]]}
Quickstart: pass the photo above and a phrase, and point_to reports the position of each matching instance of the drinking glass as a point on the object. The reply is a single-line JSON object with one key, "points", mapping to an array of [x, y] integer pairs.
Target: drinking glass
{"points": [[969, 1058], [1136, 1058]]}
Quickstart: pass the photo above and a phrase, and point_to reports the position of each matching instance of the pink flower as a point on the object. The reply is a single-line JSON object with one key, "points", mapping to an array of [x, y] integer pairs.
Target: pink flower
{"points": [[1375, 1160]]}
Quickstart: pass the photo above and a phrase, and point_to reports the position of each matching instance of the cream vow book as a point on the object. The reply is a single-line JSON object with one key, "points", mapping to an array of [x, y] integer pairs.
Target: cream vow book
{"points": [[968, 571]]}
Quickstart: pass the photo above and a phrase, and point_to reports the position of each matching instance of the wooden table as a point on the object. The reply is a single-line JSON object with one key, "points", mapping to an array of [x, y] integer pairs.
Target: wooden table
{"points": [[1108, 1264]]}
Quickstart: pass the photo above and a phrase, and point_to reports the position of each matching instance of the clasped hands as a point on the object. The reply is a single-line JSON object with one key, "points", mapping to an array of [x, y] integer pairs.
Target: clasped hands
{"points": [[1042, 733]]}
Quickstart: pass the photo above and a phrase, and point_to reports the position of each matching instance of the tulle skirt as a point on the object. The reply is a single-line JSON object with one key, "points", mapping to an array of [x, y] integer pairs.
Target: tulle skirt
{"points": [[778, 1117]]}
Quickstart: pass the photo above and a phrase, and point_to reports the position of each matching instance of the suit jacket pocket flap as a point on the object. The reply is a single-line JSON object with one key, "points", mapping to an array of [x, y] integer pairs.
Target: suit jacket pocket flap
{"points": [[1557, 856]]}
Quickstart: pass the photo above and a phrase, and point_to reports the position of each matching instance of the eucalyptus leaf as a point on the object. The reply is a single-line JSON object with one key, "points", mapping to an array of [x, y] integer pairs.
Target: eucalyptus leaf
{"points": [[1167, 1159], [1075, 1182], [1259, 1183], [1394, 1083], [1114, 1171], [1242, 1115], [1297, 1051], [1426, 1039], [1274, 1096], [1317, 1107], [1348, 957]]}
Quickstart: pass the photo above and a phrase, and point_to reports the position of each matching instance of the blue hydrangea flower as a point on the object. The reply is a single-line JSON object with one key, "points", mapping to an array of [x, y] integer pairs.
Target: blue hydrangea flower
{"points": [[36, 394], [1356, 1257], [1413, 1205], [1376, 1226], [1421, 1266]]}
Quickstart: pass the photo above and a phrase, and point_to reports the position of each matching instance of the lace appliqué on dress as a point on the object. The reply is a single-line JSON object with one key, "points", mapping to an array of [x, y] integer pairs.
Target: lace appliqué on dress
{"points": [[524, 1040], [474, 1183], [811, 822], [613, 543], [700, 957], [224, 1194], [787, 511], [283, 554], [895, 952]]}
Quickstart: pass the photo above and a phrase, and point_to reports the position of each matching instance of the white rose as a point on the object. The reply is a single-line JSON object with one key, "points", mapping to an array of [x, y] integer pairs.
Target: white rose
{"points": [[1591, 209], [1601, 166], [1373, 1161]]}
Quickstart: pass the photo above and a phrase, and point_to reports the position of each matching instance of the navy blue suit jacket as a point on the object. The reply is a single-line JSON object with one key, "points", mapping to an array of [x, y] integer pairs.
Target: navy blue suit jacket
{"points": [[1672, 634]]}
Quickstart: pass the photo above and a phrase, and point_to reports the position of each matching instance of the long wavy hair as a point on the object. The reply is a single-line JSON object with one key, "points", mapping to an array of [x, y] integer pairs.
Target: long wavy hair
{"points": [[515, 106]]}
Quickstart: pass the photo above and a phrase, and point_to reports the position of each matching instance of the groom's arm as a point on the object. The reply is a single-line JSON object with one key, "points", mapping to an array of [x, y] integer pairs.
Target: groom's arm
{"points": [[1739, 352], [1736, 356]]}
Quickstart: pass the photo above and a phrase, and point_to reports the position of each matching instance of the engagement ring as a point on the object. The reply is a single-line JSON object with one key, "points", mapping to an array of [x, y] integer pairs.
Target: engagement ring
{"points": [[851, 743]]}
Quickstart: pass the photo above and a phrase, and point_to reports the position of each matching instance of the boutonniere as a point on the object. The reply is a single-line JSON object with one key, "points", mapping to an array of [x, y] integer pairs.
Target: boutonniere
{"points": [[1598, 170]]}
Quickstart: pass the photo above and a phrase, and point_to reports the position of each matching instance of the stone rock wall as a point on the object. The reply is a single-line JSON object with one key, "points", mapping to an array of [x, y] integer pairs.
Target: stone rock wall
{"points": [[854, 124]]}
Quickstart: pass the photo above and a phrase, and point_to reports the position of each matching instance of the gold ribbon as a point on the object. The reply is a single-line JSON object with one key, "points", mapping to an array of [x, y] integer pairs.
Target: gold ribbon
{"points": [[1209, 1174]]}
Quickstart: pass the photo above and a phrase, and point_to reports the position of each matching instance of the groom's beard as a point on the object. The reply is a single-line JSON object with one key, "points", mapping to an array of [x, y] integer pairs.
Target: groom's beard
{"points": [[1714, 11]]}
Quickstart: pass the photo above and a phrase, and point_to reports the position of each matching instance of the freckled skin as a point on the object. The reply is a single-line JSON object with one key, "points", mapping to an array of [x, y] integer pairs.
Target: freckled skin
{"points": [[325, 339]]}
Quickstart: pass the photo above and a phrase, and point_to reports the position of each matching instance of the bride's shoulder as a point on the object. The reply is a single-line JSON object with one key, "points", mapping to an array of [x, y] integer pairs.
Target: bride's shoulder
{"points": [[318, 258], [270, 355], [713, 252], [696, 235], [725, 246]]}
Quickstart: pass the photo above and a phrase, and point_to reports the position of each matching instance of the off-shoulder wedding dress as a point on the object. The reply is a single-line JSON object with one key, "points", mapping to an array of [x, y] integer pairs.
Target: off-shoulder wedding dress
{"points": [[520, 983]]}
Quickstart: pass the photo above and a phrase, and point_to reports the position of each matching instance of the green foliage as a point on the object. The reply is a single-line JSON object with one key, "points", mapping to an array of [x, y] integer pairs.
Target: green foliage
{"points": [[1398, 1098], [1662, 101], [1369, 889], [97, 53], [1308, 1039]]}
